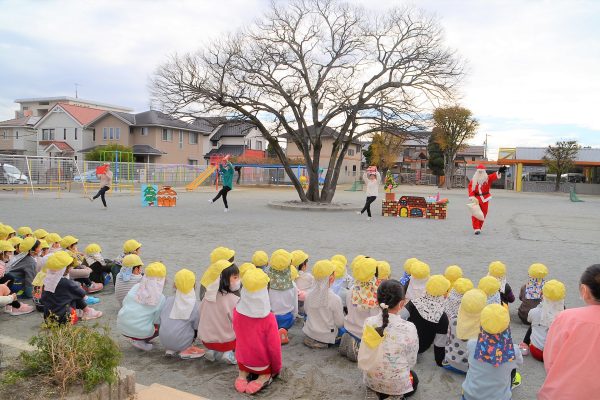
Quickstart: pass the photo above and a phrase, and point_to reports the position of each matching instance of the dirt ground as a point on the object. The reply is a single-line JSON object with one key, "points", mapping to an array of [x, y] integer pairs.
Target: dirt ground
{"points": [[521, 229]]}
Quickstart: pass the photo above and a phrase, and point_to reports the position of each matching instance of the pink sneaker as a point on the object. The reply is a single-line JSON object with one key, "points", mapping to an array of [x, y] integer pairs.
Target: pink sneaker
{"points": [[95, 287], [192, 352], [90, 313], [524, 347], [24, 309]]}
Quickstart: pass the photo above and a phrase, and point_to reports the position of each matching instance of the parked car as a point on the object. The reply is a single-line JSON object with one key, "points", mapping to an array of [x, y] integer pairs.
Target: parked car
{"points": [[12, 175], [88, 176], [573, 177]]}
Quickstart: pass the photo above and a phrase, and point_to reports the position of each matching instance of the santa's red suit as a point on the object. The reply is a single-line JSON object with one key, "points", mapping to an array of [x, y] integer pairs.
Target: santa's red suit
{"points": [[481, 192]]}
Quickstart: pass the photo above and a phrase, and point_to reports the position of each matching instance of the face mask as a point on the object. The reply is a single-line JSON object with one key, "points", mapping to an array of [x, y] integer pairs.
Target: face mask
{"points": [[236, 286]]}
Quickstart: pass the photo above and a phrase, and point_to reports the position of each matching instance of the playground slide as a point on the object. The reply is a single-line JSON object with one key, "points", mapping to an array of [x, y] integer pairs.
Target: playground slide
{"points": [[201, 178]]}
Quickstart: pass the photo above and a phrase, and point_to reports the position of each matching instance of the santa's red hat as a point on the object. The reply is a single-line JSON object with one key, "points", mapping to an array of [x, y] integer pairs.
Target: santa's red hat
{"points": [[481, 166]]}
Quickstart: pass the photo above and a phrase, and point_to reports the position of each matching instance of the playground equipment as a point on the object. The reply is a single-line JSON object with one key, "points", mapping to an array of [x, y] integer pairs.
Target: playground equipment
{"points": [[214, 162], [573, 196]]}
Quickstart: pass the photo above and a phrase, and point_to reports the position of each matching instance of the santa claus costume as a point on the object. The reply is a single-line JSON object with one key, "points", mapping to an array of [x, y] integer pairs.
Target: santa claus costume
{"points": [[479, 189]]}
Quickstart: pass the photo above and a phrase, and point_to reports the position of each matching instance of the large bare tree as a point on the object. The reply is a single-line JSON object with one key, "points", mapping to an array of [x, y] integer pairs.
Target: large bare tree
{"points": [[560, 158], [310, 64]]}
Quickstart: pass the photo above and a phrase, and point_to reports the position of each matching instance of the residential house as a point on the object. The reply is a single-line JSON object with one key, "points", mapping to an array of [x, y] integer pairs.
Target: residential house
{"points": [[18, 136], [237, 138], [40, 106], [350, 168]]}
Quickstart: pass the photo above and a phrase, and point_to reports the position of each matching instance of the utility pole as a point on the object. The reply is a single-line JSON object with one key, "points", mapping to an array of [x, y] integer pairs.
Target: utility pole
{"points": [[76, 91], [485, 152]]}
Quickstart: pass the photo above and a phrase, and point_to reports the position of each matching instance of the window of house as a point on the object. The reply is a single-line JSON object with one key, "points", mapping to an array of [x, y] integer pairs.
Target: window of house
{"points": [[350, 152], [94, 135], [111, 133], [65, 134], [47, 134], [193, 162], [180, 139], [193, 138], [145, 131], [105, 133], [3, 134], [17, 134], [248, 144], [472, 158], [75, 133], [214, 144], [357, 149], [354, 168], [117, 133], [167, 135], [25, 108], [44, 103], [258, 145]]}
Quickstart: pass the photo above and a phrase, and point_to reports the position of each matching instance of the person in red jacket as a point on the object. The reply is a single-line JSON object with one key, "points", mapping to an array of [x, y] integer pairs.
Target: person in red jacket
{"points": [[479, 189], [258, 346]]}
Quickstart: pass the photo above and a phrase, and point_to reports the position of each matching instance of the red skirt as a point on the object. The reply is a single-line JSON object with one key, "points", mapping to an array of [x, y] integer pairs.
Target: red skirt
{"points": [[536, 353], [244, 368], [220, 347]]}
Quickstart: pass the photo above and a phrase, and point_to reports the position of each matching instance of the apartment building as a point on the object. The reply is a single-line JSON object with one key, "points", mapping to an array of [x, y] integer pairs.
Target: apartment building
{"points": [[18, 136], [40, 106]]}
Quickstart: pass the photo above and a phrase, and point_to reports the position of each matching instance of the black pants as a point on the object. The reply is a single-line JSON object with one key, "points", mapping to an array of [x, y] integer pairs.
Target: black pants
{"points": [[98, 270], [100, 194], [9, 278], [223, 192], [383, 396], [527, 338], [367, 207]]}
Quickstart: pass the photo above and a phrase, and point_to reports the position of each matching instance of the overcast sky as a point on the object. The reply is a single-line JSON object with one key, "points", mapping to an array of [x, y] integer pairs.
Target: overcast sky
{"points": [[534, 66]]}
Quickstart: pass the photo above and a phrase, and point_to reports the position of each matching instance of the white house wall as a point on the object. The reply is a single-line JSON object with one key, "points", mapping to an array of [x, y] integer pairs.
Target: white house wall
{"points": [[59, 121]]}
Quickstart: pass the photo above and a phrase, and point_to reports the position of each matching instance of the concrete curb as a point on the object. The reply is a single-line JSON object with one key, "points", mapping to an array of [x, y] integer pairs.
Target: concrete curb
{"points": [[319, 207]]}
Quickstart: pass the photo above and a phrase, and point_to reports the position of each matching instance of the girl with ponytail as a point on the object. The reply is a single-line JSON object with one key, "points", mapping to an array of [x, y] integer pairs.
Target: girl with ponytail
{"points": [[389, 346]]}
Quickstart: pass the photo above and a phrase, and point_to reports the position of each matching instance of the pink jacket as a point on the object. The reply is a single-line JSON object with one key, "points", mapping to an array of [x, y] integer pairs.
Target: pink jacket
{"points": [[257, 341], [571, 355]]}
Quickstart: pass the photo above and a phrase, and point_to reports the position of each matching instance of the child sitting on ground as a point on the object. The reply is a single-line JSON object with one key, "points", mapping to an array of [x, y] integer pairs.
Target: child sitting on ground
{"points": [[457, 290], [61, 295], [419, 275], [305, 281], [179, 318], [497, 269], [282, 292], [428, 315], [53, 240], [219, 253], [130, 274], [258, 346], [492, 357], [245, 267], [543, 315], [131, 246], [462, 327], [324, 310], [24, 232], [139, 317], [405, 279], [383, 272], [222, 282], [531, 293], [101, 268], [389, 346], [40, 234], [452, 273], [362, 304], [491, 288], [343, 282], [79, 272], [260, 259], [21, 269]]}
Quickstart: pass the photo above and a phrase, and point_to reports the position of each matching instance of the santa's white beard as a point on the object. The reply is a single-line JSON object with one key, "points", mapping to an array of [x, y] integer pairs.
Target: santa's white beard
{"points": [[480, 177]]}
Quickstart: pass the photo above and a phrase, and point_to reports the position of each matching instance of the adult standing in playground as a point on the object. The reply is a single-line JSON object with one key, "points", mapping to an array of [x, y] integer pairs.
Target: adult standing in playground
{"points": [[372, 178], [479, 191], [105, 182], [226, 171]]}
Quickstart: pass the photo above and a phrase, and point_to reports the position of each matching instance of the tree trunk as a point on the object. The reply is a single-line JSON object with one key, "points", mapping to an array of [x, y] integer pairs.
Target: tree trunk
{"points": [[448, 172], [557, 184]]}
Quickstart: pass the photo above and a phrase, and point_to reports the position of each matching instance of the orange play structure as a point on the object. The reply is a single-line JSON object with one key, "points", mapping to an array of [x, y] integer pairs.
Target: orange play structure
{"points": [[214, 162]]}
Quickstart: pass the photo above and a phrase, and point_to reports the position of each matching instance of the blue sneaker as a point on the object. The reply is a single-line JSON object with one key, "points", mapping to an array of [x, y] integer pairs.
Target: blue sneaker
{"points": [[107, 278], [90, 300]]}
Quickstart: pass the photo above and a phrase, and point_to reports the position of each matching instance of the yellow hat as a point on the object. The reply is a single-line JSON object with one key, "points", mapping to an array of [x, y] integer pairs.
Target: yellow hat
{"points": [[341, 259], [494, 318], [15, 241], [260, 258], [323, 269], [255, 280], [9, 230], [419, 270], [280, 260], [497, 269], [554, 290], [185, 280], [3, 232], [437, 285], [44, 244], [245, 267], [27, 244], [132, 260], [340, 269], [5, 245], [294, 273], [131, 245], [473, 301], [40, 233], [462, 285], [408, 264], [384, 270], [371, 337], [213, 272], [53, 238], [355, 260], [364, 269], [68, 241], [24, 231], [59, 260], [92, 249], [537, 271], [221, 253], [453, 272], [489, 285], [298, 257], [156, 270]]}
